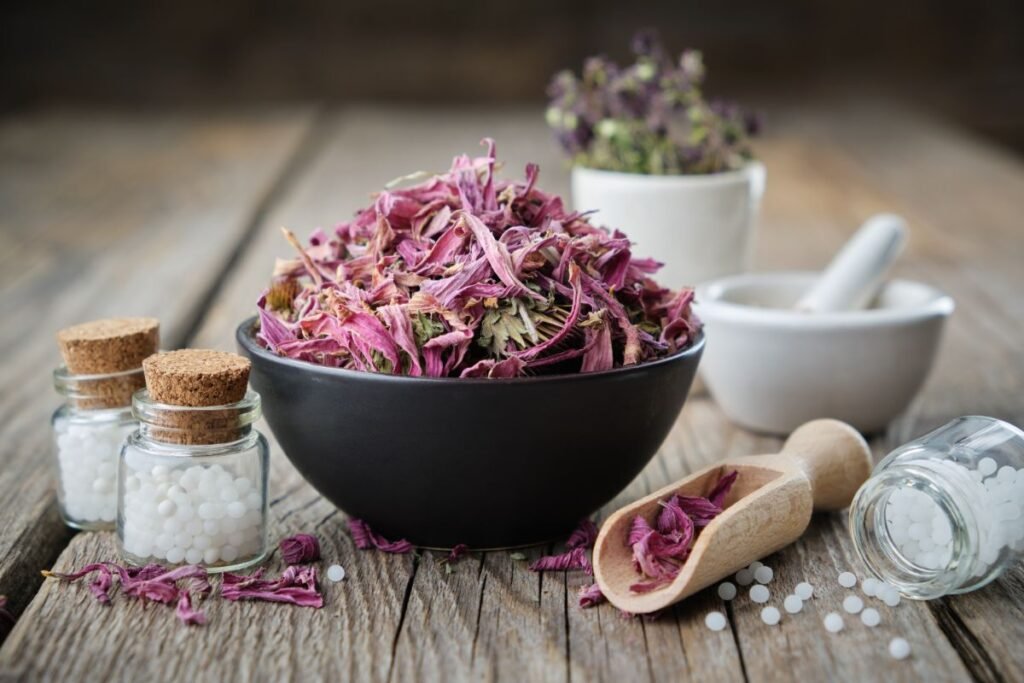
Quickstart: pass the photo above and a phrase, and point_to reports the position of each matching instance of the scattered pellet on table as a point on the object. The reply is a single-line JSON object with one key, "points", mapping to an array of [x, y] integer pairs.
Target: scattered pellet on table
{"points": [[335, 573], [715, 621], [870, 586], [771, 615], [853, 604], [759, 594], [847, 580], [792, 604], [899, 648], [870, 617], [833, 622], [764, 574], [753, 566], [804, 590], [727, 590], [744, 577]]}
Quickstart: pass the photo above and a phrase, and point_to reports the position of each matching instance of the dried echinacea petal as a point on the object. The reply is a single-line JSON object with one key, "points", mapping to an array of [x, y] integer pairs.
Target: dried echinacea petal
{"points": [[590, 596], [297, 586], [300, 549], [365, 538], [575, 557], [185, 613], [151, 583], [100, 586], [659, 551], [466, 275]]}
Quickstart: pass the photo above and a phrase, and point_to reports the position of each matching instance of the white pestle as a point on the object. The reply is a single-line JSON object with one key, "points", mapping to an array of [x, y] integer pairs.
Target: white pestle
{"points": [[855, 275]]}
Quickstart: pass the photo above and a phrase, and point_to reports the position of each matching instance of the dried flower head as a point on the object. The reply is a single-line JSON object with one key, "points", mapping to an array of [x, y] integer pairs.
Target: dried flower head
{"points": [[300, 549], [649, 117]]}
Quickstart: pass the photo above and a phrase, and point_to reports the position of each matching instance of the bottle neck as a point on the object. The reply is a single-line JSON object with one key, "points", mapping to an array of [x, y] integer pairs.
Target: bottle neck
{"points": [[880, 547], [104, 392], [196, 425]]}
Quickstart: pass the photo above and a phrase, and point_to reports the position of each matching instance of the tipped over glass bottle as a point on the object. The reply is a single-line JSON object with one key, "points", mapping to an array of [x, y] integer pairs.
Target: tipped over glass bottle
{"points": [[944, 513]]}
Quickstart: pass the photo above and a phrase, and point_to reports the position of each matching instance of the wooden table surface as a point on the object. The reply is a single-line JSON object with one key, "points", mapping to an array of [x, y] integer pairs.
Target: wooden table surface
{"points": [[177, 216]]}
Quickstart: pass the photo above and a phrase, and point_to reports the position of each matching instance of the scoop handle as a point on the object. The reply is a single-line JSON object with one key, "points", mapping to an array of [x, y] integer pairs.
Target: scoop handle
{"points": [[835, 459]]}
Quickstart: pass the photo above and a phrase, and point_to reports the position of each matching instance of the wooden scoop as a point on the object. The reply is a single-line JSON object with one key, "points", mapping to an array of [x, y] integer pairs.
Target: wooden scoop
{"points": [[821, 466]]}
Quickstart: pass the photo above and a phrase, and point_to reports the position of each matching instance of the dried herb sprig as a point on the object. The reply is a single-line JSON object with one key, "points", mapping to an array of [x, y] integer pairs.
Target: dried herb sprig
{"points": [[466, 275], [649, 117]]}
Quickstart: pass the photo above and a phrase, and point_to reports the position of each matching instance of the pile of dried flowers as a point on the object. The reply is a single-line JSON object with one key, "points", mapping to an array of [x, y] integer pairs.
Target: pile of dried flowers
{"points": [[649, 117], [466, 275]]}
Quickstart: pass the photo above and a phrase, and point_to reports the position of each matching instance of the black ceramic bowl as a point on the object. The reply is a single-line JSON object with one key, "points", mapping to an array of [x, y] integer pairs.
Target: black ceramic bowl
{"points": [[489, 463]]}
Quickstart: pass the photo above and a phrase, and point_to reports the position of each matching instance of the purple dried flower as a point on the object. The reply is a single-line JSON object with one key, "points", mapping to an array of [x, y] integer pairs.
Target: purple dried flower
{"points": [[297, 586], [467, 275], [186, 614], [100, 586], [584, 535], [457, 553], [300, 549], [365, 538], [575, 558], [660, 551], [591, 595], [649, 117]]}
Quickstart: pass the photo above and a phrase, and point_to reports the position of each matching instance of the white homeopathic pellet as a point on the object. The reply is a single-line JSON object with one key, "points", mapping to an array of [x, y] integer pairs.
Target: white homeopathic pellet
{"points": [[764, 574], [744, 577], [987, 466], [889, 595], [727, 590], [833, 622], [715, 621], [853, 604], [753, 566], [899, 648], [870, 617], [770, 615], [804, 590], [792, 604], [870, 586], [759, 594], [335, 573], [847, 579]]}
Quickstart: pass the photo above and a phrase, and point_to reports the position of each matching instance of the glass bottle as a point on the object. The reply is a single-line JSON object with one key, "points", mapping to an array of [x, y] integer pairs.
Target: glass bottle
{"points": [[193, 485], [89, 428], [944, 513]]}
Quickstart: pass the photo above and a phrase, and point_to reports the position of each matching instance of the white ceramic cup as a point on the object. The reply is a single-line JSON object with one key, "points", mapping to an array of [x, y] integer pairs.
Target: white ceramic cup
{"points": [[700, 226]]}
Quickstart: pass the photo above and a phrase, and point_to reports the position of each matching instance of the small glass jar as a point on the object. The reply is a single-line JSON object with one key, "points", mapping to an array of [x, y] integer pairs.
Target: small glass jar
{"points": [[944, 513], [193, 485], [88, 429]]}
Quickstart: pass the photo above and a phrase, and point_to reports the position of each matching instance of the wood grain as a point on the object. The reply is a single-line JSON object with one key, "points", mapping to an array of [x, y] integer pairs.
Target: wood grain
{"points": [[408, 618], [99, 215]]}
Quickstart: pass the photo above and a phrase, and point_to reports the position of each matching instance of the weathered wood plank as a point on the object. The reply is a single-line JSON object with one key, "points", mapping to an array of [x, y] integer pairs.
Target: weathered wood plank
{"points": [[102, 215], [402, 618]]}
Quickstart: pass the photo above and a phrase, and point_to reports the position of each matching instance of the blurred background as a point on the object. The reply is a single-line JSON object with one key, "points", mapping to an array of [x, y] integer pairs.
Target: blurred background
{"points": [[962, 60]]}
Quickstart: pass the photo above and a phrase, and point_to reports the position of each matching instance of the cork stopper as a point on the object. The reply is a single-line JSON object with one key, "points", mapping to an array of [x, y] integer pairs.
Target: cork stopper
{"points": [[103, 358], [199, 379], [109, 345]]}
